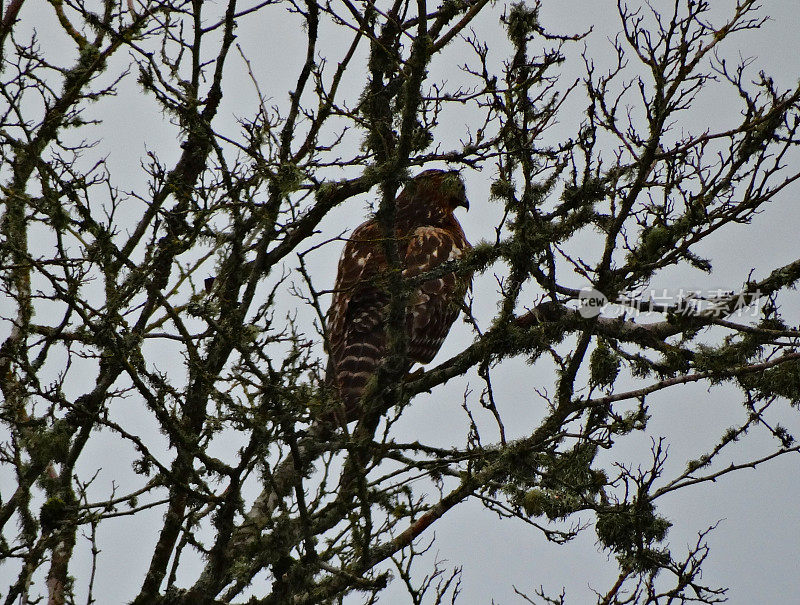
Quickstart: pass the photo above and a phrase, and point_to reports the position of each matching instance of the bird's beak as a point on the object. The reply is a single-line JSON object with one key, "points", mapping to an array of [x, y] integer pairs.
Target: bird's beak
{"points": [[462, 196]]}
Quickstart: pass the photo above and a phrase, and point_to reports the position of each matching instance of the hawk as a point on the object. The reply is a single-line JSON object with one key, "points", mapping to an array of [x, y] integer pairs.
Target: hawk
{"points": [[428, 235]]}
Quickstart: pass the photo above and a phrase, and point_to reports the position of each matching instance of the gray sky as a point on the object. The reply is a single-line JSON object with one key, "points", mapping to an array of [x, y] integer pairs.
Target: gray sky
{"points": [[756, 548]]}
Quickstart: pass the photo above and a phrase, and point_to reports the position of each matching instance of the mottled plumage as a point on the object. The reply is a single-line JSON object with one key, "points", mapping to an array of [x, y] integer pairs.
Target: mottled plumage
{"points": [[428, 234]]}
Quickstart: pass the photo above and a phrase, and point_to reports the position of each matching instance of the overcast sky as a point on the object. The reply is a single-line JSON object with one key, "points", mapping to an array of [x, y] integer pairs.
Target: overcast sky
{"points": [[756, 548]]}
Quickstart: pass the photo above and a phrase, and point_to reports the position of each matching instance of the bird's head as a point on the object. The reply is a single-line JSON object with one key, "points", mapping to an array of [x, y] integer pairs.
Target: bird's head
{"points": [[433, 195], [447, 185]]}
